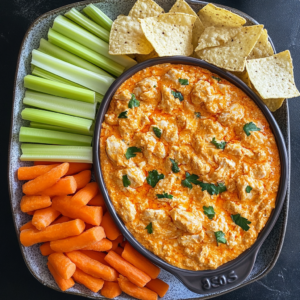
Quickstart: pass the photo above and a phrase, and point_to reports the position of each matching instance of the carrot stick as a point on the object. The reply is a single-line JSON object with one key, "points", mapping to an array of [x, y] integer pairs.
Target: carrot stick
{"points": [[110, 227], [88, 226], [33, 236], [30, 213], [63, 284], [30, 203], [38, 163], [99, 256], [92, 267], [61, 219], [88, 214], [158, 286], [46, 249], [137, 292], [62, 187], [111, 290], [135, 275], [103, 245], [87, 193], [83, 178], [78, 167], [97, 200], [62, 265], [28, 173], [116, 242], [44, 217], [139, 261], [92, 283], [27, 225], [46, 180], [78, 242], [119, 250], [123, 244]]}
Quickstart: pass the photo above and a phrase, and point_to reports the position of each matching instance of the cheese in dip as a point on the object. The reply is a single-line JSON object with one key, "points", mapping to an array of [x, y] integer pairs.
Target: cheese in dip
{"points": [[189, 161]]}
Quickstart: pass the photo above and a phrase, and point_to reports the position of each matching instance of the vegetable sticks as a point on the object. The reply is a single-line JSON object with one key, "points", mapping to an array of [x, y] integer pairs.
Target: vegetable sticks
{"points": [[28, 173], [158, 286], [30, 203], [63, 187], [103, 245], [44, 217], [83, 196], [92, 283], [62, 265], [110, 227], [111, 290]]}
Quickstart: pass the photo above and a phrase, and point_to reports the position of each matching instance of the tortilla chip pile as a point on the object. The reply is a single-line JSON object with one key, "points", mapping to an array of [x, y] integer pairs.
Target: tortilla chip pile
{"points": [[215, 35]]}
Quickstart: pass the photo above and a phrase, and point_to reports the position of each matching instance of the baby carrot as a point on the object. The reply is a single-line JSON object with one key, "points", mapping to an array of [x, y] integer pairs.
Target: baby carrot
{"points": [[97, 200], [62, 265], [123, 244], [27, 225], [158, 286], [46, 180], [103, 245], [30, 213], [28, 173], [92, 283], [135, 275], [92, 267], [78, 167], [44, 217], [61, 219], [111, 290], [30, 203], [46, 249], [116, 242], [83, 178], [119, 250], [110, 227], [88, 226], [99, 256], [62, 187], [33, 236], [87, 193]]}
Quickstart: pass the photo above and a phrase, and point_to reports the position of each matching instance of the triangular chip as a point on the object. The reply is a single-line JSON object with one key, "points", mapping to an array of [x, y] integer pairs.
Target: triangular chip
{"points": [[243, 76], [141, 57], [273, 76], [182, 7], [262, 48], [127, 37], [145, 9], [170, 34], [211, 15], [232, 49]]}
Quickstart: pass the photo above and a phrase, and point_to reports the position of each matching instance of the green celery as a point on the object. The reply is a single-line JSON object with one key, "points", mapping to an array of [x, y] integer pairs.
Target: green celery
{"points": [[43, 136], [87, 24], [98, 16], [60, 105]]}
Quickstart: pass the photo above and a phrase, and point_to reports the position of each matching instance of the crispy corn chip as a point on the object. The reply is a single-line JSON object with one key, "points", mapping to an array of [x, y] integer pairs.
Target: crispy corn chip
{"points": [[145, 9], [262, 48]]}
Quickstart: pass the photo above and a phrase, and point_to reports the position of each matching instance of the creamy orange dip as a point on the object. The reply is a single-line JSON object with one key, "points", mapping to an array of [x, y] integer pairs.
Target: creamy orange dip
{"points": [[189, 161]]}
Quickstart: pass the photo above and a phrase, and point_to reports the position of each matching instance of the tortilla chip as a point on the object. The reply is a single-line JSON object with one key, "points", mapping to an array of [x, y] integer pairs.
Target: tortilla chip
{"points": [[211, 15], [182, 7], [170, 34], [140, 57], [243, 76], [262, 48], [273, 76], [127, 37], [145, 9], [230, 47]]}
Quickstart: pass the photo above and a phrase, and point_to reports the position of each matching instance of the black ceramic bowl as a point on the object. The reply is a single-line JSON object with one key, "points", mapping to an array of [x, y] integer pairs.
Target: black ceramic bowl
{"points": [[233, 273]]}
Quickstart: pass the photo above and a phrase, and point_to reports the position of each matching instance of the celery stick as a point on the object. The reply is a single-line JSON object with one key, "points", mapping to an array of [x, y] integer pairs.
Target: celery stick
{"points": [[58, 89], [36, 152], [61, 129], [61, 105], [57, 119], [98, 16], [87, 24], [99, 98], [85, 53], [66, 56], [80, 35], [95, 82]]}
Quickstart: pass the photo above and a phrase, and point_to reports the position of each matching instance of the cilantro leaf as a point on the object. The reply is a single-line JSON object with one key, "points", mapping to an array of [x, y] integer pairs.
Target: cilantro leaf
{"points": [[209, 211], [198, 115], [164, 195], [154, 86], [130, 152], [175, 168], [240, 221], [216, 78], [149, 228], [123, 115], [177, 95], [153, 178], [220, 237], [183, 81], [157, 131], [248, 189], [133, 102], [220, 145], [126, 181], [189, 179], [250, 127]]}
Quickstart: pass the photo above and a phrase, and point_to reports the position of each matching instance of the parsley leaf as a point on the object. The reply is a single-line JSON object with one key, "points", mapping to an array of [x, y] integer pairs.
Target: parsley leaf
{"points": [[133, 102], [177, 95], [153, 178], [198, 115], [149, 228], [217, 78], [248, 189], [130, 152], [175, 168], [157, 131], [183, 81], [209, 211], [126, 181], [189, 179], [250, 127], [220, 237], [220, 145], [164, 195], [240, 221], [154, 86], [123, 115]]}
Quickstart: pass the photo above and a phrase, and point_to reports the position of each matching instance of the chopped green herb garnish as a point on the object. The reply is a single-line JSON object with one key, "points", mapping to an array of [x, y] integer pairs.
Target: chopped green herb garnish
{"points": [[130, 152], [250, 127], [248, 189], [157, 131], [133, 102], [164, 195], [175, 168], [240, 221], [216, 78], [149, 228], [153, 178], [198, 115], [220, 145], [177, 95], [209, 211], [126, 181], [123, 115], [220, 237], [189, 179], [183, 81], [154, 86]]}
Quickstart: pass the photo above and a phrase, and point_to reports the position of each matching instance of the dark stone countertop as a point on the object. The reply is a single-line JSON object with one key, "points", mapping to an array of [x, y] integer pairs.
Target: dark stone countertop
{"points": [[281, 18]]}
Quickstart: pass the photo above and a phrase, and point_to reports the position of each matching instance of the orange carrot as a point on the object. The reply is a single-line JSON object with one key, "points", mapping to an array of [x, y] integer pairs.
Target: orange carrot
{"points": [[46, 249], [83, 178], [133, 290], [116, 242], [111, 290], [46, 180], [38, 163], [61, 219], [63, 284], [83, 240], [123, 244], [103, 245], [78, 167], [158, 286], [139, 261], [28, 173], [92, 283], [119, 250], [62, 265], [135, 275], [92, 267], [99, 256], [110, 227], [30, 237], [62, 187], [44, 217], [30, 203], [88, 226], [97, 200], [88, 214], [30, 213], [87, 193], [28, 225]]}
